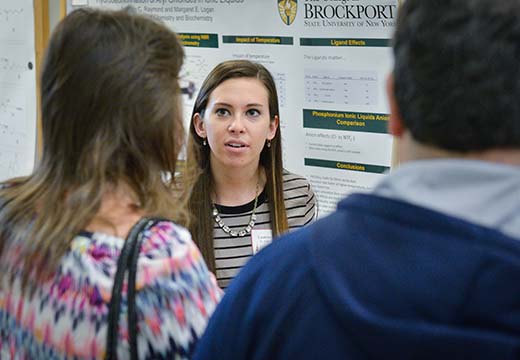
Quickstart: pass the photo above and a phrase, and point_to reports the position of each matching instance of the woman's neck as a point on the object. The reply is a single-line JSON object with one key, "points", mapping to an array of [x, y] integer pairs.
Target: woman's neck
{"points": [[118, 212], [237, 187]]}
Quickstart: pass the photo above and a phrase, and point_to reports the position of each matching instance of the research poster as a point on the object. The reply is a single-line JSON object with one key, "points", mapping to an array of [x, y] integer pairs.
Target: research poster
{"points": [[330, 59], [18, 88]]}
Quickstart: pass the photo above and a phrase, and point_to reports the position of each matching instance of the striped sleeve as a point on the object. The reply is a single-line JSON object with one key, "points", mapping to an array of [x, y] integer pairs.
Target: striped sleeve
{"points": [[300, 200]]}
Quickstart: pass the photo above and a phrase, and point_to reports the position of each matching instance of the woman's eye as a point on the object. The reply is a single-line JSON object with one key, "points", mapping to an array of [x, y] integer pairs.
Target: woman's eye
{"points": [[222, 112], [253, 112]]}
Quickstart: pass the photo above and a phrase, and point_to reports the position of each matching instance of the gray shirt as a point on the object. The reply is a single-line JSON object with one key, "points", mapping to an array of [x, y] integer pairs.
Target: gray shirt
{"points": [[484, 193]]}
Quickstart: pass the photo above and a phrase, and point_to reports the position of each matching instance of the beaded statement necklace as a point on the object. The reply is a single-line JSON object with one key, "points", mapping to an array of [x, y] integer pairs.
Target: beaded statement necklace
{"points": [[242, 232]]}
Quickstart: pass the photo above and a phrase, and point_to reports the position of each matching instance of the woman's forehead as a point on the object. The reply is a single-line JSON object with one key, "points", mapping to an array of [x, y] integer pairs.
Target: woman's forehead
{"points": [[244, 90]]}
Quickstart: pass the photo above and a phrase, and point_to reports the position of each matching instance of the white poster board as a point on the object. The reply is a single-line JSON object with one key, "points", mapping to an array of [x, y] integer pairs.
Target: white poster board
{"points": [[17, 88], [330, 59]]}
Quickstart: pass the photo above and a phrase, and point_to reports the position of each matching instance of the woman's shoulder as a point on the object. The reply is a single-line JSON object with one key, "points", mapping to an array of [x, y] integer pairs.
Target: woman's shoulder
{"points": [[168, 261], [168, 248], [164, 242], [293, 181], [300, 200], [166, 233], [162, 234]]}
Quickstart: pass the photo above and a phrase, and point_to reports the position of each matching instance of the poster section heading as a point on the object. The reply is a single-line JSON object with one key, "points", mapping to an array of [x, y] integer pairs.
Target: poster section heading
{"points": [[350, 121], [375, 169], [336, 42], [257, 40], [199, 40]]}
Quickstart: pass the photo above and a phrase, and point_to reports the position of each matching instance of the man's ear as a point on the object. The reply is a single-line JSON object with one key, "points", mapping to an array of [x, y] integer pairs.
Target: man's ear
{"points": [[198, 124], [273, 125], [395, 123]]}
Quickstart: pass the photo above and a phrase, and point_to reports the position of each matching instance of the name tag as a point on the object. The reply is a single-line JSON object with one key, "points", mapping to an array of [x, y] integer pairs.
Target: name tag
{"points": [[260, 238]]}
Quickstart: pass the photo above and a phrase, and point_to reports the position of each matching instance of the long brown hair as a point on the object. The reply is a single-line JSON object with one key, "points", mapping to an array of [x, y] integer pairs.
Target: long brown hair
{"points": [[199, 155], [110, 115]]}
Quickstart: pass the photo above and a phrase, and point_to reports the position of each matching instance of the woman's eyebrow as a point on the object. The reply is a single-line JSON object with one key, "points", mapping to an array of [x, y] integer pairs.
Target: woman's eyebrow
{"points": [[220, 103]]}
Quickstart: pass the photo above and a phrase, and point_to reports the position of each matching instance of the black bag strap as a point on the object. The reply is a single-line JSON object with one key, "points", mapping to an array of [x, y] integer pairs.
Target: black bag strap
{"points": [[127, 262]]}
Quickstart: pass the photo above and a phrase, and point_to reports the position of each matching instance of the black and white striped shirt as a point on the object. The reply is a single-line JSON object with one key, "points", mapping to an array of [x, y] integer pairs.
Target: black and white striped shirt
{"points": [[231, 253]]}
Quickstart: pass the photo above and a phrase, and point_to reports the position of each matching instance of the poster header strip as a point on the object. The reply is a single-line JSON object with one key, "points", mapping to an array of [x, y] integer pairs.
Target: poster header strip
{"points": [[340, 165], [255, 39], [200, 40], [349, 121], [342, 42]]}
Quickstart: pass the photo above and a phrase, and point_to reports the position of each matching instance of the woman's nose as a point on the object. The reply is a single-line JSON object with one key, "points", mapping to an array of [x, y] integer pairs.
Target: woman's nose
{"points": [[237, 124]]}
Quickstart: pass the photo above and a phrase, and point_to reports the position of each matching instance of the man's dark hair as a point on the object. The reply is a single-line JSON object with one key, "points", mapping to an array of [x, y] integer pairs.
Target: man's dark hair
{"points": [[457, 72]]}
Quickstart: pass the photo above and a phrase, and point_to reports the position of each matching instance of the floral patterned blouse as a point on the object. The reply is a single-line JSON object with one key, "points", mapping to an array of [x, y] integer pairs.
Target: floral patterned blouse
{"points": [[66, 318]]}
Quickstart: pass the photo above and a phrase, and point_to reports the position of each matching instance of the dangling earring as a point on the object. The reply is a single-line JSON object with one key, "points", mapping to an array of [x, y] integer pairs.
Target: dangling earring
{"points": [[204, 142], [268, 143]]}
